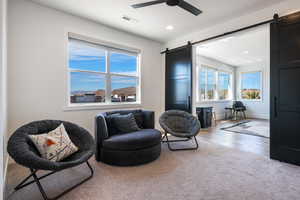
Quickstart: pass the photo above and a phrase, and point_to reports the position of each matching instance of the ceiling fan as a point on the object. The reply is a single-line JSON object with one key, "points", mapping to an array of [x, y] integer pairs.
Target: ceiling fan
{"points": [[181, 3]]}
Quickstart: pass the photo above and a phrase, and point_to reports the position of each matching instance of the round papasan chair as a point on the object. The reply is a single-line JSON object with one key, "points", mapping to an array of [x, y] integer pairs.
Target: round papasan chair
{"points": [[23, 151], [179, 124]]}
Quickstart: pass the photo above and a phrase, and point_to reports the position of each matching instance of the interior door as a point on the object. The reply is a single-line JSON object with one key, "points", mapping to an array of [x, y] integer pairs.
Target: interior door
{"points": [[178, 92], [285, 89]]}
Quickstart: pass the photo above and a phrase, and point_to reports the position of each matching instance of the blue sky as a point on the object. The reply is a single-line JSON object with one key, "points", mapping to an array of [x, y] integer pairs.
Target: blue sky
{"points": [[83, 56], [224, 79], [90, 57], [251, 80]]}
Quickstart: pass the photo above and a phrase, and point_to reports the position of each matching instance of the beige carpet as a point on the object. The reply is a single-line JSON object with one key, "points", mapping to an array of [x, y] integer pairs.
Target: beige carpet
{"points": [[211, 173]]}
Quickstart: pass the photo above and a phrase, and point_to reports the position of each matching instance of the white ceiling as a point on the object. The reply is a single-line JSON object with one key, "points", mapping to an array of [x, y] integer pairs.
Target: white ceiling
{"points": [[151, 21], [243, 49]]}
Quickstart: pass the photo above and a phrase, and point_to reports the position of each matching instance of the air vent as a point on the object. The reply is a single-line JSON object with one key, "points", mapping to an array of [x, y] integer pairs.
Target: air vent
{"points": [[129, 19], [126, 18]]}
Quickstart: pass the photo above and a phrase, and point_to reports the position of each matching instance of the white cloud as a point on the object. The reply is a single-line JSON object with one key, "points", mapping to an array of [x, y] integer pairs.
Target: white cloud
{"points": [[81, 51], [123, 80]]}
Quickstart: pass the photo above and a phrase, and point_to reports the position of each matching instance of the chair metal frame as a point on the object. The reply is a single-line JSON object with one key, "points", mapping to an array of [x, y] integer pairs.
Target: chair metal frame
{"points": [[37, 179], [236, 113], [181, 140]]}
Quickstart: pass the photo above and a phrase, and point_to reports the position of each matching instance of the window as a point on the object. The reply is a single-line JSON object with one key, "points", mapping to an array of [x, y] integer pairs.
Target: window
{"points": [[100, 74], [251, 84], [208, 83], [224, 86], [214, 84]]}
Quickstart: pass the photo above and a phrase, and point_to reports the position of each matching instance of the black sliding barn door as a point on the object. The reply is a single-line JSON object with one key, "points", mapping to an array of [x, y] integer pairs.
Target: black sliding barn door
{"points": [[178, 94], [285, 89]]}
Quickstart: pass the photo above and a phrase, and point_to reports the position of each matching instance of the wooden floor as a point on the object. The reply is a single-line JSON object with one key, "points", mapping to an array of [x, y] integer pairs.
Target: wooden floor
{"points": [[255, 144]]}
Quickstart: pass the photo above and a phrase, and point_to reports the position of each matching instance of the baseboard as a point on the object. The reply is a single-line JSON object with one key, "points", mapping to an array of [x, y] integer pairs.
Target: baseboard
{"points": [[11, 161], [220, 116], [258, 116], [5, 175]]}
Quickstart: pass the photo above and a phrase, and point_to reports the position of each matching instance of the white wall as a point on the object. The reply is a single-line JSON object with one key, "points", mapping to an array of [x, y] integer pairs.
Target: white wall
{"points": [[283, 8], [3, 113], [219, 106], [37, 53]]}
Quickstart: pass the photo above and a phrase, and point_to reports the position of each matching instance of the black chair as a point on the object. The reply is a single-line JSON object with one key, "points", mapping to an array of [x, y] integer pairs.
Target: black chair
{"points": [[238, 107], [179, 124], [127, 149], [23, 151]]}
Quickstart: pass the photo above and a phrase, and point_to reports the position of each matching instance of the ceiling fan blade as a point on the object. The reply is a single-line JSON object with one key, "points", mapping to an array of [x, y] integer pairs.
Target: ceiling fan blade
{"points": [[140, 5], [188, 7]]}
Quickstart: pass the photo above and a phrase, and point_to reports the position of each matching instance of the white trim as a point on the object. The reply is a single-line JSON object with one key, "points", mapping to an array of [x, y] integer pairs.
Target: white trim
{"points": [[139, 79], [216, 93], [3, 91], [104, 106], [214, 101], [258, 115], [67, 68], [87, 71], [125, 75], [109, 48], [5, 176], [5, 172], [108, 78]]}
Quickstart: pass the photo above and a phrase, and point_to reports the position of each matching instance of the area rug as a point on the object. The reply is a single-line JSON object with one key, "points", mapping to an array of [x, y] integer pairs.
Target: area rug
{"points": [[212, 172], [248, 127]]}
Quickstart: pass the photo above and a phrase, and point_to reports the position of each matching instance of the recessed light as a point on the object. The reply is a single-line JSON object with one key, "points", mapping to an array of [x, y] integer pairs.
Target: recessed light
{"points": [[245, 52], [169, 27], [126, 18]]}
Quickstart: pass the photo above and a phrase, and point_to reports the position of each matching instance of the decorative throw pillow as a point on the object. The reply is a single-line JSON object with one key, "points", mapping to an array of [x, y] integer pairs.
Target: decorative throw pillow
{"points": [[112, 129], [126, 123], [55, 145], [139, 118]]}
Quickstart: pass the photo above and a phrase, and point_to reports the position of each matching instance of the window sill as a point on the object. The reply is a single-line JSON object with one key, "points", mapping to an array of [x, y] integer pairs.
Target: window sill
{"points": [[92, 106], [251, 100]]}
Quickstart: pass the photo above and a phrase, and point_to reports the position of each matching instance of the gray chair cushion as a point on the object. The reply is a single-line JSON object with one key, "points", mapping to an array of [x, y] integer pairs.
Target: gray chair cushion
{"points": [[179, 123], [126, 123], [133, 141]]}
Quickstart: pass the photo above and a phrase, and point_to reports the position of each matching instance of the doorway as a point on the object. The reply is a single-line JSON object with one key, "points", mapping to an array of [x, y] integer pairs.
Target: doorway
{"points": [[230, 69]]}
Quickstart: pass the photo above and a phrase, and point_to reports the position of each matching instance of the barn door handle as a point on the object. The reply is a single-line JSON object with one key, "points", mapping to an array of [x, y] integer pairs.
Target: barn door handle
{"points": [[275, 107]]}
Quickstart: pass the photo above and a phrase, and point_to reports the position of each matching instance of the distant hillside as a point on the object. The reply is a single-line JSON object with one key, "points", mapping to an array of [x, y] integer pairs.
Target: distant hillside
{"points": [[129, 91], [83, 92]]}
